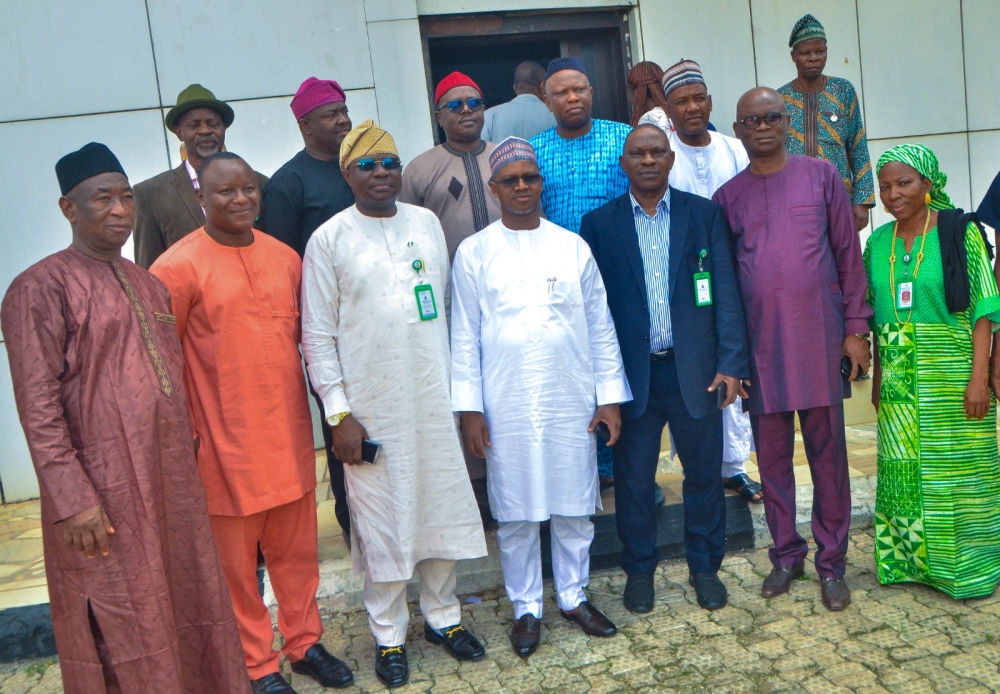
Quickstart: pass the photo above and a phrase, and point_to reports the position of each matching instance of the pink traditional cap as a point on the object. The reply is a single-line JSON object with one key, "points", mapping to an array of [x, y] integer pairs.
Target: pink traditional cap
{"points": [[314, 93]]}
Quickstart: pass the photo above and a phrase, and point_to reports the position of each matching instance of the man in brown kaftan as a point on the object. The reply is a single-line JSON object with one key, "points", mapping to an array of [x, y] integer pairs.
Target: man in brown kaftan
{"points": [[139, 603]]}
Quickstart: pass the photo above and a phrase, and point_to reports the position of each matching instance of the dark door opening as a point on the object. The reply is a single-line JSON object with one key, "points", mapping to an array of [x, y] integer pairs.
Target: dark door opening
{"points": [[489, 47]]}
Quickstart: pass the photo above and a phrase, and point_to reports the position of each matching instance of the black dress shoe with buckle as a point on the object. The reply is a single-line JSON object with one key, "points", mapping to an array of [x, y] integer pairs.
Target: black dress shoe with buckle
{"points": [[526, 634], [592, 620], [271, 684], [459, 643], [323, 667], [638, 596], [711, 592], [391, 666], [779, 581]]}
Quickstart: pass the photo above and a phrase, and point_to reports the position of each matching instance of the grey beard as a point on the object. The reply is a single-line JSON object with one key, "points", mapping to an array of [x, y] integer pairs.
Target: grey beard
{"points": [[206, 148]]}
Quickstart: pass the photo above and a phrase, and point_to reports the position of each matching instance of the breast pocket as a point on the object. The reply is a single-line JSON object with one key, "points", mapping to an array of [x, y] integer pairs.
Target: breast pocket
{"points": [[808, 221]]}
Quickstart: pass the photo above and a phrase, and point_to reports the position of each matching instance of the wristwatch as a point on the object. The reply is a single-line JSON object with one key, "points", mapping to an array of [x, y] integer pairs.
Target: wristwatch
{"points": [[335, 419], [863, 336]]}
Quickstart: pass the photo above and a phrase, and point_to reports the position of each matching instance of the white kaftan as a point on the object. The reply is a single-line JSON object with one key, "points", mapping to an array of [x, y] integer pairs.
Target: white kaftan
{"points": [[534, 348], [368, 352]]}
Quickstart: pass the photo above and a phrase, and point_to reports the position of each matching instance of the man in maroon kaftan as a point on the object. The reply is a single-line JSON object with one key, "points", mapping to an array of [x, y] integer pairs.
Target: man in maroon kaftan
{"points": [[139, 603]]}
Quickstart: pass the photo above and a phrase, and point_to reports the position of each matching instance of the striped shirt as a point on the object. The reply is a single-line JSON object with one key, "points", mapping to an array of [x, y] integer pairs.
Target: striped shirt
{"points": [[581, 173], [654, 245]]}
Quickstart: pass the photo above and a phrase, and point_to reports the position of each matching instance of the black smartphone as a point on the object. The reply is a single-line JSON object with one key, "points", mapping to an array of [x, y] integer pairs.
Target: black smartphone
{"points": [[720, 394], [370, 451], [603, 431], [845, 368]]}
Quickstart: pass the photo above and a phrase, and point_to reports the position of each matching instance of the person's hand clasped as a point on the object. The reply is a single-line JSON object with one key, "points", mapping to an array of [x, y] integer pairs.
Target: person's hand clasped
{"points": [[977, 399], [860, 353], [610, 415], [475, 433], [89, 531], [734, 388], [347, 438]]}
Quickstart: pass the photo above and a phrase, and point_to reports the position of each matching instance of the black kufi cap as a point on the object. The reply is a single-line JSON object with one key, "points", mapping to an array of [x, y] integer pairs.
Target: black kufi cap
{"points": [[90, 160], [571, 63]]}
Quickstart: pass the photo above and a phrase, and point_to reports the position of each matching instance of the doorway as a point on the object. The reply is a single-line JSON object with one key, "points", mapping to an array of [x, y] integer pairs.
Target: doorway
{"points": [[488, 47]]}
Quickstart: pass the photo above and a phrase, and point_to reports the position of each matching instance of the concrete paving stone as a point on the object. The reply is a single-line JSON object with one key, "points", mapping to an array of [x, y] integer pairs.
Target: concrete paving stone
{"points": [[773, 648], [920, 685], [938, 644], [821, 685]]}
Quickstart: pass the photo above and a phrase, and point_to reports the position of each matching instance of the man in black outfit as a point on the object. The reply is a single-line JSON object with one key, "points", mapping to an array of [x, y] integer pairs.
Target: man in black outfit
{"points": [[306, 191], [665, 258]]}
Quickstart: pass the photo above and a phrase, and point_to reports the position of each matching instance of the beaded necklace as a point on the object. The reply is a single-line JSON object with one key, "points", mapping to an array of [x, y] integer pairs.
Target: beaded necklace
{"points": [[916, 268]]}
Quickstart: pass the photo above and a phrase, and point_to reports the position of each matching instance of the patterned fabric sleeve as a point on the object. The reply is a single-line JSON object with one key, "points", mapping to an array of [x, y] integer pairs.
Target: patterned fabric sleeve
{"points": [[870, 296], [984, 301], [858, 158]]}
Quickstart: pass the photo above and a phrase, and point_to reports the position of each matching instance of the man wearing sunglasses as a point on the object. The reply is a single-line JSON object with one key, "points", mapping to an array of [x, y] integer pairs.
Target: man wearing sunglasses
{"points": [[450, 181], [535, 369], [804, 286], [375, 285]]}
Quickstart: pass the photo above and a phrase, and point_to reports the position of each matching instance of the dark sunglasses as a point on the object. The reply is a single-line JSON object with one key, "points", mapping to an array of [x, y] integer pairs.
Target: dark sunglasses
{"points": [[456, 105], [772, 119], [369, 164], [512, 181]]}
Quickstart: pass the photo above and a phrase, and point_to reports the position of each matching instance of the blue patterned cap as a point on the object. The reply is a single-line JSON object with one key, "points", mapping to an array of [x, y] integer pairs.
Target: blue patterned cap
{"points": [[510, 150]]}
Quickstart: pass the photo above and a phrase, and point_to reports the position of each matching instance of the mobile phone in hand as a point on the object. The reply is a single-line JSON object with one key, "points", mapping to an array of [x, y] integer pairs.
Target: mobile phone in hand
{"points": [[720, 394], [603, 431], [845, 368], [370, 451]]}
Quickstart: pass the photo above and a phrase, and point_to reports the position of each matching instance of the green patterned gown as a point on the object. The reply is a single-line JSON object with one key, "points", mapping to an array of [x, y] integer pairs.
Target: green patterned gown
{"points": [[937, 509]]}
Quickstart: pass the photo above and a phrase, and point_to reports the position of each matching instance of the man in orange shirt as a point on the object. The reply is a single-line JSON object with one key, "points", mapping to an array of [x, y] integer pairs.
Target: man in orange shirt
{"points": [[235, 293]]}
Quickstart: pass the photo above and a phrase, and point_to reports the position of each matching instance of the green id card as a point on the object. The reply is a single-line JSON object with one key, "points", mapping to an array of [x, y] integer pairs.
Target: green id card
{"points": [[425, 301], [702, 289]]}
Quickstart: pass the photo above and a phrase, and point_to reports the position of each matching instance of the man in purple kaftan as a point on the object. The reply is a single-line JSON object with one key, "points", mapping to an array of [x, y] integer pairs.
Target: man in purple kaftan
{"points": [[803, 282]]}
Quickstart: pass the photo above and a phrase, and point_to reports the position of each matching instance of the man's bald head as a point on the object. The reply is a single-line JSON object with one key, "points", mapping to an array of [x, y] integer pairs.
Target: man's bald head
{"points": [[647, 131], [528, 78], [762, 123]]}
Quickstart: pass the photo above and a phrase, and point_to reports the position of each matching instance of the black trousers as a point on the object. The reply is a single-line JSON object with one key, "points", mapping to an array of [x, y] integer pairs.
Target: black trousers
{"points": [[637, 453]]}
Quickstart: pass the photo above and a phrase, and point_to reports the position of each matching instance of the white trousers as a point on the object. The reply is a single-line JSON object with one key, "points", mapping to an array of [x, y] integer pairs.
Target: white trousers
{"points": [[388, 615], [521, 561], [737, 440]]}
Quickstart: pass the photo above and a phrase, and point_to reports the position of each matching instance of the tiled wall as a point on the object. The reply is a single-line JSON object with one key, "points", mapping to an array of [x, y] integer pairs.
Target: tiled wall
{"points": [[72, 72]]}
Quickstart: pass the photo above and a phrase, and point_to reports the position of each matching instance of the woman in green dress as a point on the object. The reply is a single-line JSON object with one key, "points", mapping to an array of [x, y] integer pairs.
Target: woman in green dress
{"points": [[937, 509]]}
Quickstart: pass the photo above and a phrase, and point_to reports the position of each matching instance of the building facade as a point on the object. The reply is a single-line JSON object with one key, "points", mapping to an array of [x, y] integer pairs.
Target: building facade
{"points": [[73, 72]]}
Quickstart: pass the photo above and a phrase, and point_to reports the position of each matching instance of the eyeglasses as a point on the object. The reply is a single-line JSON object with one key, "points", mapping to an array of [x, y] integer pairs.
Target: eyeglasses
{"points": [[457, 105], [387, 163], [512, 181], [772, 119]]}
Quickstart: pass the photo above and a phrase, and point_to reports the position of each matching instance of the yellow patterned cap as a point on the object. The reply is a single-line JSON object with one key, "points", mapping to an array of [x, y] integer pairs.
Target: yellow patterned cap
{"points": [[366, 139]]}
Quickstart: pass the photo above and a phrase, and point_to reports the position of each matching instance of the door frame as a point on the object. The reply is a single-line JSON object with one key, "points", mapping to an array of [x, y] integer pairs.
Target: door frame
{"points": [[523, 23]]}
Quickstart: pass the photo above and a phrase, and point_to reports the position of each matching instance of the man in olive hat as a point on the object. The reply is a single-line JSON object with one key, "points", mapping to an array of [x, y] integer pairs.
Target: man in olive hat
{"points": [[166, 205], [139, 599]]}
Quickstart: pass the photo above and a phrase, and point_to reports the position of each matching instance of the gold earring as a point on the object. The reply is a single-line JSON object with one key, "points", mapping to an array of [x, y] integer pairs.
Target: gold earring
{"points": [[927, 198]]}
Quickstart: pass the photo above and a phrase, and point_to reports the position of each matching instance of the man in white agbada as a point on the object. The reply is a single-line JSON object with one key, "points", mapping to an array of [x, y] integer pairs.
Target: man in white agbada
{"points": [[375, 282], [535, 370], [703, 161]]}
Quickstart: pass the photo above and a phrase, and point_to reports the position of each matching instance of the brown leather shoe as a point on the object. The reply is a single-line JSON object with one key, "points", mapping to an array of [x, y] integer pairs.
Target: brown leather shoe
{"points": [[779, 581], [525, 635], [836, 594], [591, 620]]}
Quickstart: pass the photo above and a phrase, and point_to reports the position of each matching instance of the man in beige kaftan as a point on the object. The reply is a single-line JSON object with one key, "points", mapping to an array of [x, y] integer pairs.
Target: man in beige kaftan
{"points": [[374, 333]]}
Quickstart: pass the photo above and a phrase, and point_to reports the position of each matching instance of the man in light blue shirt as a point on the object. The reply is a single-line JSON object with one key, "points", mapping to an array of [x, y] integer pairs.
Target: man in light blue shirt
{"points": [[526, 114]]}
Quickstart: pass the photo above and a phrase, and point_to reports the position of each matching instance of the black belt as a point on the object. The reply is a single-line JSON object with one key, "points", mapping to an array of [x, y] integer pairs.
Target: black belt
{"points": [[664, 355]]}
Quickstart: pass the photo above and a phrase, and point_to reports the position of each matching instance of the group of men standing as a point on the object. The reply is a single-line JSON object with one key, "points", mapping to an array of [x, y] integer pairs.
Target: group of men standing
{"points": [[674, 272]]}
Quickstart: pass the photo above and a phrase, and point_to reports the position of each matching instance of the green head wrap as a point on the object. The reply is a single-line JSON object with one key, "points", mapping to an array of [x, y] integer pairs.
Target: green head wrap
{"points": [[805, 29], [923, 160]]}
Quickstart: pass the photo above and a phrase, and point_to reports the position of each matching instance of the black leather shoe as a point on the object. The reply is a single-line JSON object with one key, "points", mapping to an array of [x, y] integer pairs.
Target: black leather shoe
{"points": [[592, 620], [638, 596], [836, 594], [324, 668], [525, 635], [711, 592], [779, 581], [459, 643], [271, 684], [391, 666]]}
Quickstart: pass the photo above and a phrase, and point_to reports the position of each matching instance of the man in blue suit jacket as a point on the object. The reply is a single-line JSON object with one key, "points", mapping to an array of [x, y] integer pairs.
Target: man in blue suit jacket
{"points": [[666, 262]]}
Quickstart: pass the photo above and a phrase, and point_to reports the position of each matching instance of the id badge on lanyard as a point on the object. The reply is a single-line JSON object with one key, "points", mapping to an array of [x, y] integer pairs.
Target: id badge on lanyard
{"points": [[702, 282], [425, 301], [904, 295]]}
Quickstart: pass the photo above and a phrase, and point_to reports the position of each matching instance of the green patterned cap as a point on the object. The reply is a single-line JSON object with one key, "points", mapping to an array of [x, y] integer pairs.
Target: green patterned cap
{"points": [[805, 29], [921, 158]]}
